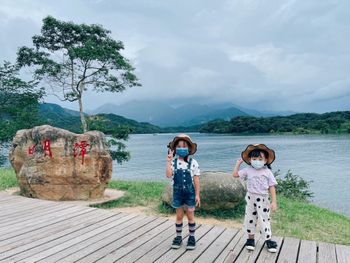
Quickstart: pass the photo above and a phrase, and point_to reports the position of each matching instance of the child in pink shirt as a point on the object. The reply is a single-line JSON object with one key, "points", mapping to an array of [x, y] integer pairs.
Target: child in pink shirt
{"points": [[260, 182]]}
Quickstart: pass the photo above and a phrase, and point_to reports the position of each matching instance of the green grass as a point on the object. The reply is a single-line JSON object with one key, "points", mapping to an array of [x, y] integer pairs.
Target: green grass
{"points": [[7, 178], [293, 218], [136, 193], [307, 221]]}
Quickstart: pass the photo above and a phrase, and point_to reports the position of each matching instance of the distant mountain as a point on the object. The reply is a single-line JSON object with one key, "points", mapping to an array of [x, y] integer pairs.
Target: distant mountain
{"points": [[163, 115], [60, 117]]}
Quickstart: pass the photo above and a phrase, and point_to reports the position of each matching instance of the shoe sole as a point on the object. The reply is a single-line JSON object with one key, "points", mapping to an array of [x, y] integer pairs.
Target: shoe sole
{"points": [[175, 246], [250, 248], [272, 250], [190, 247]]}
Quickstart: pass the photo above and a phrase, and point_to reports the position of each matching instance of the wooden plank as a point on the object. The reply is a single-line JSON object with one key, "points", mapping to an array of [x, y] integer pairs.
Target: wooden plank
{"points": [[123, 223], [116, 242], [163, 238], [268, 257], [307, 251], [38, 246], [84, 249], [251, 256], [134, 244], [234, 253], [343, 253], [44, 250], [326, 253], [40, 223], [289, 250], [173, 254], [201, 245], [215, 249], [76, 219], [33, 214], [230, 247], [158, 250]]}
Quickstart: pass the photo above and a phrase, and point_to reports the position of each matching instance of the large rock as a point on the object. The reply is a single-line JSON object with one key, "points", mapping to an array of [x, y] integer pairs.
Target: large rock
{"points": [[56, 164], [218, 191]]}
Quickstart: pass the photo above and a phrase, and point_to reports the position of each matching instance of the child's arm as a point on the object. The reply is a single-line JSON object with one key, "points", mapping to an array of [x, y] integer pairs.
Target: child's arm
{"points": [[197, 189], [237, 166], [169, 160], [272, 190]]}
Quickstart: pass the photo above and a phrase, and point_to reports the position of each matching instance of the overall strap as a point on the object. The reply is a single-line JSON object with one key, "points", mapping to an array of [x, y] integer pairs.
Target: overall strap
{"points": [[189, 164], [175, 164]]}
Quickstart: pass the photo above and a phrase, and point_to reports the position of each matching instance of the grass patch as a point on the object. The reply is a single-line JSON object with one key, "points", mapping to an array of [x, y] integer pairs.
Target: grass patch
{"points": [[136, 193], [307, 221], [7, 178]]}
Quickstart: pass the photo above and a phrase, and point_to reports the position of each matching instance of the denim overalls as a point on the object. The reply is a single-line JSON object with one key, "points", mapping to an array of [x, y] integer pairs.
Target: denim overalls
{"points": [[183, 188]]}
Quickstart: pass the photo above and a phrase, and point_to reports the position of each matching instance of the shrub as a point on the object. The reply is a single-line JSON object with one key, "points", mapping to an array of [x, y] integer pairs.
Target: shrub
{"points": [[293, 186]]}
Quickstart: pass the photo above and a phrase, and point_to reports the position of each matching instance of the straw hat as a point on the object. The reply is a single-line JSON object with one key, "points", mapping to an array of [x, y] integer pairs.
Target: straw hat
{"points": [[184, 137], [251, 147]]}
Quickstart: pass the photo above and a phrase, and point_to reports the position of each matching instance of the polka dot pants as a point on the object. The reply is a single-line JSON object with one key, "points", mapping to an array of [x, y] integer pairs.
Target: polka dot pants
{"points": [[257, 208]]}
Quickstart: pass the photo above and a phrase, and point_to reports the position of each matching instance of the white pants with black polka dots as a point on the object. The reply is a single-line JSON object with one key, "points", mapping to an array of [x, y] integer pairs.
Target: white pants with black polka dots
{"points": [[257, 208]]}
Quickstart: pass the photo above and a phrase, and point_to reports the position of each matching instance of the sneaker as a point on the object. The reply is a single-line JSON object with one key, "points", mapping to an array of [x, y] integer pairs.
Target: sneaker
{"points": [[191, 243], [177, 242], [250, 244], [271, 246]]}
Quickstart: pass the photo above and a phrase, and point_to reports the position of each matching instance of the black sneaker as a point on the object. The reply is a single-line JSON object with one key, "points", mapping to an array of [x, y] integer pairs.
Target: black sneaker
{"points": [[191, 243], [177, 242], [250, 244], [271, 246]]}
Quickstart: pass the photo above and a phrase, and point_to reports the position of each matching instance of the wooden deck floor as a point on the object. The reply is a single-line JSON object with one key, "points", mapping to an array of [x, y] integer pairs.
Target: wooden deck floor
{"points": [[43, 231]]}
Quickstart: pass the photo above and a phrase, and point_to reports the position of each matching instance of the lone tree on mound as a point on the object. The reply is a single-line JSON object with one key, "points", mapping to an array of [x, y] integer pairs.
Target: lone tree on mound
{"points": [[72, 58]]}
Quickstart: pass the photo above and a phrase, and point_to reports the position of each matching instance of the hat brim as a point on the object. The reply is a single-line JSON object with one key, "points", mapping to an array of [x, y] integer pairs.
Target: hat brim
{"points": [[263, 147], [193, 146]]}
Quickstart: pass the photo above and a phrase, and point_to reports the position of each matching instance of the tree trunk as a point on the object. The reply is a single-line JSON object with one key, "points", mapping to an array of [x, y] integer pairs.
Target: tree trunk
{"points": [[82, 117]]}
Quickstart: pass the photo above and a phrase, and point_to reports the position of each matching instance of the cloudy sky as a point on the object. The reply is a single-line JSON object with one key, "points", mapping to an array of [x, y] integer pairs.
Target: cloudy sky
{"points": [[260, 54]]}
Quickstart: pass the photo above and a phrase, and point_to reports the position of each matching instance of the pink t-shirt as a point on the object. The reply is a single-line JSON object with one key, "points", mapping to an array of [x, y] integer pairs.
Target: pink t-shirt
{"points": [[258, 181]]}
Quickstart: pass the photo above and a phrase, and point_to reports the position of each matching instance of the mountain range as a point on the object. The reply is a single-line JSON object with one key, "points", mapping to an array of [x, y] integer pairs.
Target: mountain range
{"points": [[164, 115]]}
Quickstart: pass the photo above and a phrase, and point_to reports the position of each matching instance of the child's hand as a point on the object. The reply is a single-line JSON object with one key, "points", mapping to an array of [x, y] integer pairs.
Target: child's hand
{"points": [[198, 201], [239, 161], [273, 206], [170, 155]]}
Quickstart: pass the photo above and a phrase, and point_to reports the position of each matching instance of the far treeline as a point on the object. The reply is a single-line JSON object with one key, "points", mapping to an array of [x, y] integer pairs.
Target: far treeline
{"points": [[302, 123]]}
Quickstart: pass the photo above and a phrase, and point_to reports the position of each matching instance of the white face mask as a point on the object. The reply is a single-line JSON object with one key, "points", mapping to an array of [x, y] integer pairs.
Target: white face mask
{"points": [[257, 164]]}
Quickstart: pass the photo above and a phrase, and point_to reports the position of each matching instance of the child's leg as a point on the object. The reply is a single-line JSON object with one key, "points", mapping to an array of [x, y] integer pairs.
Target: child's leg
{"points": [[250, 218], [179, 219], [191, 222], [264, 217]]}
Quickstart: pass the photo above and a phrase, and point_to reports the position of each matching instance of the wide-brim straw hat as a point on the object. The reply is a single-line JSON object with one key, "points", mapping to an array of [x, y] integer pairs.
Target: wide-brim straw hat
{"points": [[183, 137], [251, 147]]}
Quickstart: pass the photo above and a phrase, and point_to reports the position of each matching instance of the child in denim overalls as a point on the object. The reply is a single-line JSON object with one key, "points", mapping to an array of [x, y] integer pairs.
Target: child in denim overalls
{"points": [[185, 174]]}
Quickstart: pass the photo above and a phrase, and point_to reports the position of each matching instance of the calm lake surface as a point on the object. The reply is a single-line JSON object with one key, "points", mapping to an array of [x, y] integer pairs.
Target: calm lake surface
{"points": [[322, 159]]}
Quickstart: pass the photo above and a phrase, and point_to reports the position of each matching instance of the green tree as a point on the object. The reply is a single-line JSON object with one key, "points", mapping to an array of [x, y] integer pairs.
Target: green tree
{"points": [[19, 101], [72, 58]]}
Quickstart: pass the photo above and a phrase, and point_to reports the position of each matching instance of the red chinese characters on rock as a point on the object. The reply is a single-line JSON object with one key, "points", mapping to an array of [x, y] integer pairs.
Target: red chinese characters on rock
{"points": [[80, 149]]}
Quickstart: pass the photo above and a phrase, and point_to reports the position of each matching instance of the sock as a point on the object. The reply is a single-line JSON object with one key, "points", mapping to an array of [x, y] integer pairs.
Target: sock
{"points": [[192, 228], [178, 229]]}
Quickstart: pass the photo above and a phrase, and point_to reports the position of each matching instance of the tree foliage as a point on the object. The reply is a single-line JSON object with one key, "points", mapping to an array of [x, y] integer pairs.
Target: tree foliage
{"points": [[302, 123], [19, 101], [72, 58]]}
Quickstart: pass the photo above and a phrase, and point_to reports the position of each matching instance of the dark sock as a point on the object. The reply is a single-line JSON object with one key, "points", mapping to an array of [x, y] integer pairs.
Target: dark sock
{"points": [[192, 228], [178, 229]]}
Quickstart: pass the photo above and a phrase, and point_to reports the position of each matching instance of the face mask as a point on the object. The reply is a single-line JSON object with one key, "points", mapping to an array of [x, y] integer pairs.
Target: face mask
{"points": [[182, 152], [257, 164]]}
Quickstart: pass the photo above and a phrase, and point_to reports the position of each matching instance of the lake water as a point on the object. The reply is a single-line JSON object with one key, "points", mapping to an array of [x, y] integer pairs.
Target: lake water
{"points": [[323, 159]]}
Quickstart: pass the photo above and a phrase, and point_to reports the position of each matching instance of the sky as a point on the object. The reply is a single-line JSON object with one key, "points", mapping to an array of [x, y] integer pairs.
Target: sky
{"points": [[272, 55]]}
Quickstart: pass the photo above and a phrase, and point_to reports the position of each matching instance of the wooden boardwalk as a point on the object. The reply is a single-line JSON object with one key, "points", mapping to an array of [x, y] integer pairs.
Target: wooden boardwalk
{"points": [[34, 230]]}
